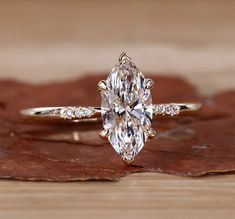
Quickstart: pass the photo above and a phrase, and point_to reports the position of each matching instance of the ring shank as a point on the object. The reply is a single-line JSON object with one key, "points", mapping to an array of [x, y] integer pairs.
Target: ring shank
{"points": [[189, 107], [87, 114]]}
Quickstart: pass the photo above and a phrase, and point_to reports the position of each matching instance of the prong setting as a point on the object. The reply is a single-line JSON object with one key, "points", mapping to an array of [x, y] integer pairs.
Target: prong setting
{"points": [[104, 134], [151, 133], [149, 83], [102, 85], [124, 57], [128, 162]]}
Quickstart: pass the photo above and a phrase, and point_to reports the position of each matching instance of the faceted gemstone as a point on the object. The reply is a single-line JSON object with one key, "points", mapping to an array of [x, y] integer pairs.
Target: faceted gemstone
{"points": [[126, 109]]}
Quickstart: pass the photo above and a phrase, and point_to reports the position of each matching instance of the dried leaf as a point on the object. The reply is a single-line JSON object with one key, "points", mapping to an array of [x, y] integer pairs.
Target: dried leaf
{"points": [[186, 145]]}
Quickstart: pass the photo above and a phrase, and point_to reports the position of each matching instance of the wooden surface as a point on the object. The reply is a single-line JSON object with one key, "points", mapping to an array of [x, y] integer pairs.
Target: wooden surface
{"points": [[43, 41], [136, 196]]}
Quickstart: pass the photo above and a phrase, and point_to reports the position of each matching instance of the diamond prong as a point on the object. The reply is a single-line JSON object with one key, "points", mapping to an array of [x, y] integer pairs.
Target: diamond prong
{"points": [[104, 134], [102, 85], [151, 133], [128, 162], [123, 56], [149, 83]]}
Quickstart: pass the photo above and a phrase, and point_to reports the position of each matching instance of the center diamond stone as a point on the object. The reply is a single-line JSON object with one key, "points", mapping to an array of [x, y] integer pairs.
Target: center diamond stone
{"points": [[126, 109]]}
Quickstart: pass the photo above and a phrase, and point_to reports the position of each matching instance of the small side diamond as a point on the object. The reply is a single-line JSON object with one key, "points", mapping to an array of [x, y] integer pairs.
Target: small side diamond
{"points": [[167, 109], [89, 111], [172, 109], [79, 112], [67, 113], [159, 109]]}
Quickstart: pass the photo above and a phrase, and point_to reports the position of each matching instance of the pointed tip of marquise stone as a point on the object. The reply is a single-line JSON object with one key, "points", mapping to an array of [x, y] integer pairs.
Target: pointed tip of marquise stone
{"points": [[128, 162]]}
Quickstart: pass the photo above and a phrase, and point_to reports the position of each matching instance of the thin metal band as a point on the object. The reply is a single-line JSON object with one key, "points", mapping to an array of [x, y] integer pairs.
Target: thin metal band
{"points": [[76, 114]]}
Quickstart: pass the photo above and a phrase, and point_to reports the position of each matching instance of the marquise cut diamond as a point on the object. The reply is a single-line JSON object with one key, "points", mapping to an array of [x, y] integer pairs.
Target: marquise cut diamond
{"points": [[126, 109]]}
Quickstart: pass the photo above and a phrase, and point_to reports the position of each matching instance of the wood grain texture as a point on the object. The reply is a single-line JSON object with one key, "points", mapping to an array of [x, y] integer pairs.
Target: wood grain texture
{"points": [[136, 196], [47, 41]]}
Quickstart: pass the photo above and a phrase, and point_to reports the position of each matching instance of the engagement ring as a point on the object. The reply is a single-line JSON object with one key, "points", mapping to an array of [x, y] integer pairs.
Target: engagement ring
{"points": [[126, 109]]}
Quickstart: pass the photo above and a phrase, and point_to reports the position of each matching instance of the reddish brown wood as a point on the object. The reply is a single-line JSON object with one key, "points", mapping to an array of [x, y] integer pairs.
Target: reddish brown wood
{"points": [[189, 145]]}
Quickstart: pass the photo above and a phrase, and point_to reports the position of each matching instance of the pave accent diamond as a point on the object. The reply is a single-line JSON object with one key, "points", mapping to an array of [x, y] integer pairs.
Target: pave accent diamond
{"points": [[126, 108], [77, 112], [166, 109]]}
